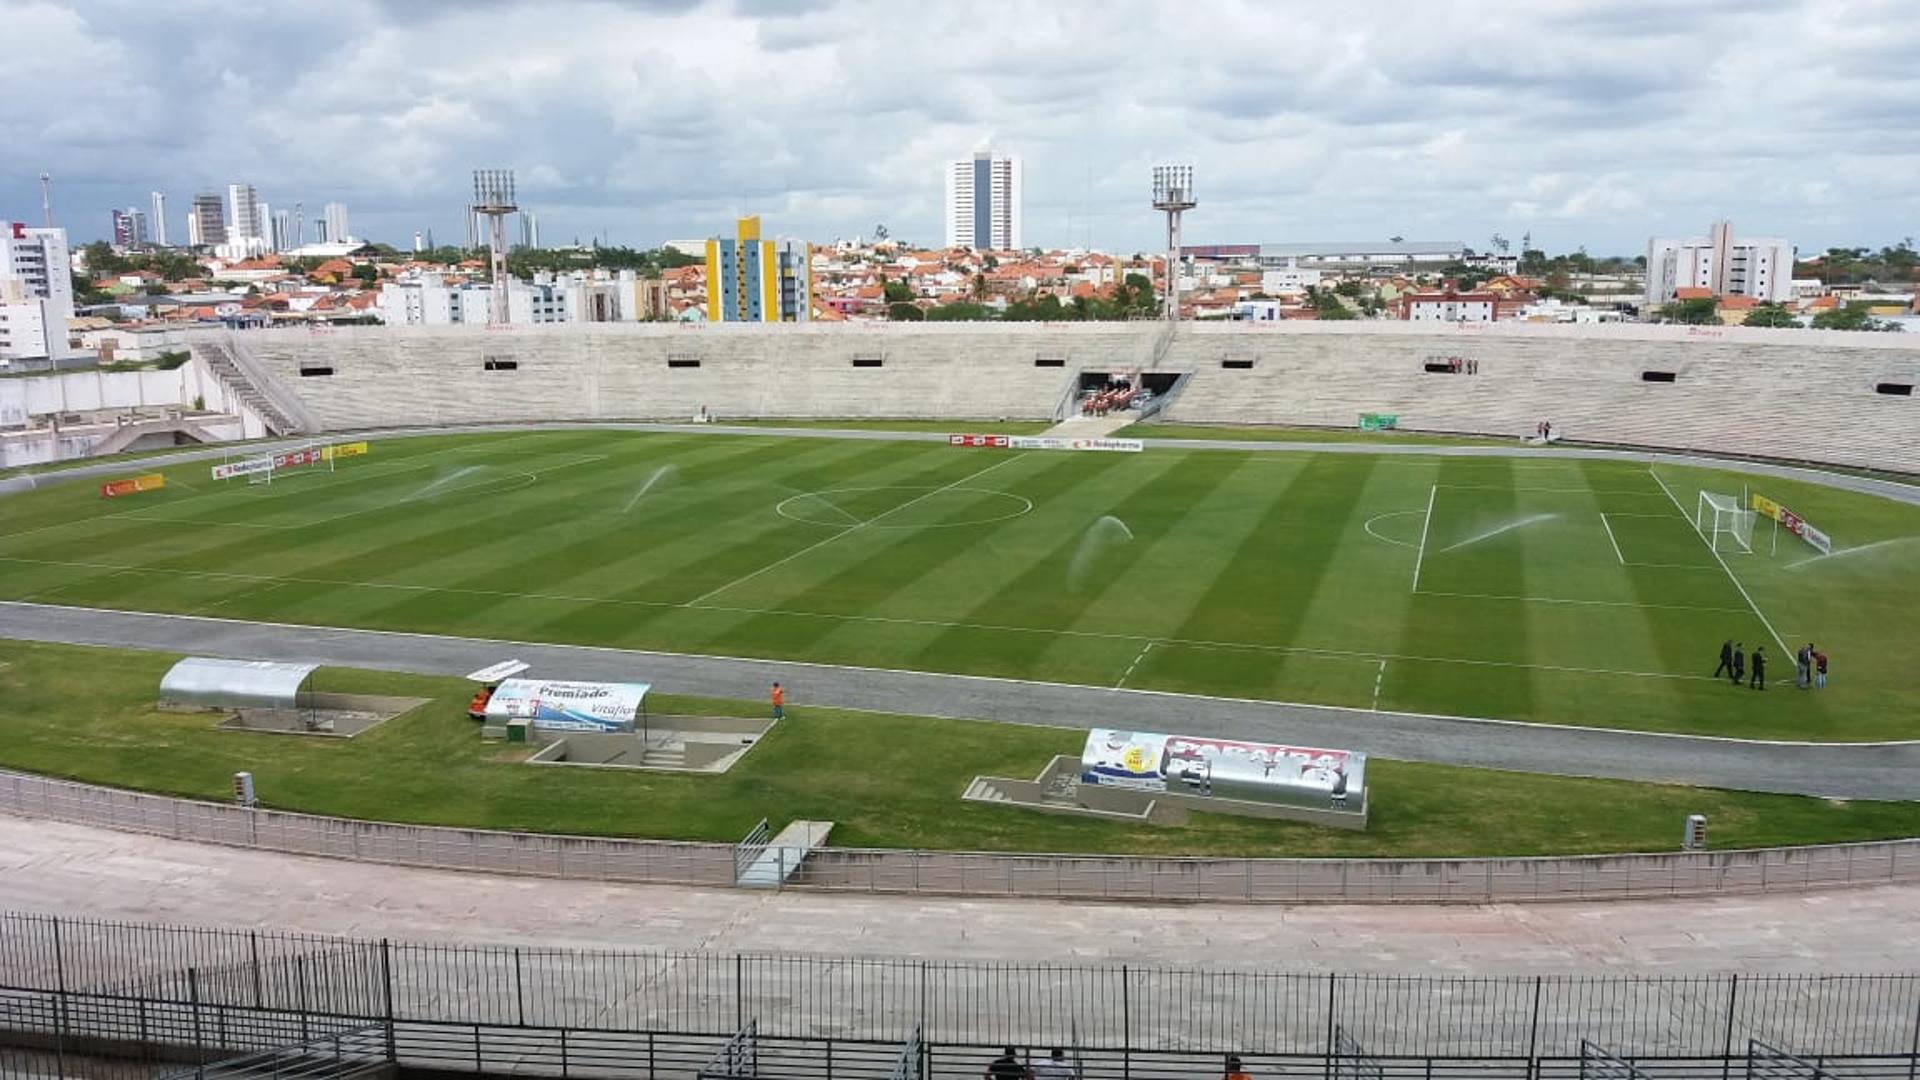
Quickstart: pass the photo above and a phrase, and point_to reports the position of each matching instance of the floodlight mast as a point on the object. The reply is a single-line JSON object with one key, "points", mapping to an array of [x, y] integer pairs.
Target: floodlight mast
{"points": [[493, 199], [1172, 196]]}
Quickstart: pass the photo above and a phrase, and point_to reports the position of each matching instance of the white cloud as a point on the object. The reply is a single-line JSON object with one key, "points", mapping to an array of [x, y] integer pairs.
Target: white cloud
{"points": [[1594, 122]]}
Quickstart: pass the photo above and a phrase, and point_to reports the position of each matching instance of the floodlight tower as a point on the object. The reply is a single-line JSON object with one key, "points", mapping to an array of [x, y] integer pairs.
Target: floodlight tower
{"points": [[1172, 196], [493, 200]]}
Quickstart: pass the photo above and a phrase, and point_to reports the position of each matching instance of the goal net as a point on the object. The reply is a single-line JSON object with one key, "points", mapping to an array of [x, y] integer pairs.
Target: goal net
{"points": [[1726, 525]]}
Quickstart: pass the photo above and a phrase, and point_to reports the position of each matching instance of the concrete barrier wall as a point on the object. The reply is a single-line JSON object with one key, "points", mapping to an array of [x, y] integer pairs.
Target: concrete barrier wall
{"points": [[1070, 877]]}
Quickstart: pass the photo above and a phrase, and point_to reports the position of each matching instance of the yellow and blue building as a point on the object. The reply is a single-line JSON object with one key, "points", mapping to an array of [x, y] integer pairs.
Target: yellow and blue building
{"points": [[755, 280]]}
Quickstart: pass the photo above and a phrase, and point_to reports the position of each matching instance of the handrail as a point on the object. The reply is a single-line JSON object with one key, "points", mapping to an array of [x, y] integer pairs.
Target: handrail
{"points": [[1064, 876]]}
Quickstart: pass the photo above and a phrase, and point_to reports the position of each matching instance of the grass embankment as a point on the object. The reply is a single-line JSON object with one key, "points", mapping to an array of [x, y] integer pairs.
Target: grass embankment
{"points": [[888, 781]]}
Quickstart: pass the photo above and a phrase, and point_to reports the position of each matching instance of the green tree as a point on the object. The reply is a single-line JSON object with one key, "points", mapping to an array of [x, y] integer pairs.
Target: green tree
{"points": [[1771, 315], [368, 273], [1698, 312], [85, 294], [903, 311], [1851, 317], [960, 312], [103, 261], [896, 292]]}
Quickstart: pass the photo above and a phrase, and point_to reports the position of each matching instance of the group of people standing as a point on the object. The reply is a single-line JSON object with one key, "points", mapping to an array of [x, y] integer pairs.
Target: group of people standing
{"points": [[1809, 666]]}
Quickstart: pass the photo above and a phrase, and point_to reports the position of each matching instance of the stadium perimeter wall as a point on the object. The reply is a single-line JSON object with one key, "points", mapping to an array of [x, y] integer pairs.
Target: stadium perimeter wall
{"points": [[1802, 395], [1069, 877]]}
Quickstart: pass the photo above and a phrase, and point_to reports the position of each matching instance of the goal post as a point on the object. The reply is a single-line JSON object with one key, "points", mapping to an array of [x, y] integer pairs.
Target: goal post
{"points": [[1726, 524]]}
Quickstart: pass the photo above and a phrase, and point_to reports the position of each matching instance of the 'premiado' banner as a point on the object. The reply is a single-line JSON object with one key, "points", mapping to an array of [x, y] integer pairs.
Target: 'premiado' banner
{"points": [[1794, 523], [568, 706]]}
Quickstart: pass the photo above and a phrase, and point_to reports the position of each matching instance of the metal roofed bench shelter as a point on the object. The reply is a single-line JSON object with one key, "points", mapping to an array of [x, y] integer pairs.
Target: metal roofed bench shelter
{"points": [[201, 682], [273, 696]]}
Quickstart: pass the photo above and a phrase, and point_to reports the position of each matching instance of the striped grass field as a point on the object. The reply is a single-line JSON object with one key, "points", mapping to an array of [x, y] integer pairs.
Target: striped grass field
{"points": [[1526, 588]]}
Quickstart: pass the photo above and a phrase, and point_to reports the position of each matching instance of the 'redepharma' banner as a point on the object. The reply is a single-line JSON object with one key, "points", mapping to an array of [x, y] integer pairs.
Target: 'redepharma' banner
{"points": [[567, 706], [1049, 442], [1793, 523]]}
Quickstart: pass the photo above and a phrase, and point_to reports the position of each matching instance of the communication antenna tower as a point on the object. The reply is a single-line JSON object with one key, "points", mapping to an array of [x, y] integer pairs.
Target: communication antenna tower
{"points": [[1173, 196], [46, 199], [493, 200]]}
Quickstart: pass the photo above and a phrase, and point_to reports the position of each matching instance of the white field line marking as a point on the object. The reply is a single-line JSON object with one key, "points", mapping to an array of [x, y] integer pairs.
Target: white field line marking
{"points": [[940, 624], [1701, 568], [1421, 555], [1544, 490], [810, 665], [1581, 603], [1748, 597], [1611, 539], [1368, 526], [1144, 649], [743, 579], [1377, 680], [1624, 513]]}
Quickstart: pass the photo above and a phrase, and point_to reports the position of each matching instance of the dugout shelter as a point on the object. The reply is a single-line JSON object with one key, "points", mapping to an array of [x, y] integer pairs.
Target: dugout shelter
{"points": [[270, 686]]}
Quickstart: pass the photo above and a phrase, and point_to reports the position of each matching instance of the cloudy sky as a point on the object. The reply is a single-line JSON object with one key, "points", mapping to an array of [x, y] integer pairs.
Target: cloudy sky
{"points": [[1582, 122]]}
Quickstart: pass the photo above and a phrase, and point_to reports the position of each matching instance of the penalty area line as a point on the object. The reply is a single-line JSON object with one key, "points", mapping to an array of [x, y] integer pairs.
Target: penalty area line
{"points": [[1611, 539], [1731, 576]]}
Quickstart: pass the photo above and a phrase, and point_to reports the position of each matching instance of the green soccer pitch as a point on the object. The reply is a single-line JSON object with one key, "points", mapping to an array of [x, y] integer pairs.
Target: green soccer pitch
{"points": [[1526, 588]]}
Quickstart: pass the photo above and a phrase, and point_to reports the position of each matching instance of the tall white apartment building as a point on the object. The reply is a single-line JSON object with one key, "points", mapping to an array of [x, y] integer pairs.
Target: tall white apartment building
{"points": [[36, 292], [248, 223], [158, 219], [983, 202], [1756, 266], [335, 216]]}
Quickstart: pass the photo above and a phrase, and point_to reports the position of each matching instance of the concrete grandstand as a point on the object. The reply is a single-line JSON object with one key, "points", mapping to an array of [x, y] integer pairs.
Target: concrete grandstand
{"points": [[1828, 396]]}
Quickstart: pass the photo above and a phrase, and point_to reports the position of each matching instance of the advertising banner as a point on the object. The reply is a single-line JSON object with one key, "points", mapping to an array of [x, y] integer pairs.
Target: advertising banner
{"points": [[568, 706], [148, 482], [998, 442], [1793, 523], [293, 459], [1373, 421], [1226, 768], [1049, 442], [243, 467], [342, 450]]}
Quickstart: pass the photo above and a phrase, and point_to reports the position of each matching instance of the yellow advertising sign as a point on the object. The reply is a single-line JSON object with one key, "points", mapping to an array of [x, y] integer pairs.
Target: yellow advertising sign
{"points": [[1766, 507], [343, 450], [149, 482]]}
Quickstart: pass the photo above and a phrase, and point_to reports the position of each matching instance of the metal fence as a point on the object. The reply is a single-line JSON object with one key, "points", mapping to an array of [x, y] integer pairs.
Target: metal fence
{"points": [[1082, 877], [295, 987]]}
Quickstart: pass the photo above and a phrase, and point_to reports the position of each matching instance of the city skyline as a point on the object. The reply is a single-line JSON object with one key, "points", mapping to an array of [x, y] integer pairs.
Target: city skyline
{"points": [[1595, 124]]}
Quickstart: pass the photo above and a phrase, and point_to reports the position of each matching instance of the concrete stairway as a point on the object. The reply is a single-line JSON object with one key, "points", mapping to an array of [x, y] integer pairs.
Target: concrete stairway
{"points": [[226, 367]]}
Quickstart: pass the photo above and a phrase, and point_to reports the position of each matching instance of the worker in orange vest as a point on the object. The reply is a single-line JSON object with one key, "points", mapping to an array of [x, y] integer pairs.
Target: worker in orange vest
{"points": [[779, 702]]}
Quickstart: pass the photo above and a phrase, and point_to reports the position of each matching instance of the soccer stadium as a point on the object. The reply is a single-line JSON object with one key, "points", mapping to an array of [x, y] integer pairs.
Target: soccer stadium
{"points": [[788, 636]]}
